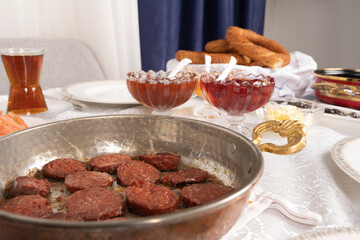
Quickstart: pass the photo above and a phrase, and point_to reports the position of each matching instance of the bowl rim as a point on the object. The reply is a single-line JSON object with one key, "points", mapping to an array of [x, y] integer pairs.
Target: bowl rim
{"points": [[321, 73], [175, 217]]}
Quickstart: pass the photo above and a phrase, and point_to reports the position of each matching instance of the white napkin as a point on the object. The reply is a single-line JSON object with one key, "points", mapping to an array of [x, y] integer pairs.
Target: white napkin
{"points": [[290, 81], [260, 200]]}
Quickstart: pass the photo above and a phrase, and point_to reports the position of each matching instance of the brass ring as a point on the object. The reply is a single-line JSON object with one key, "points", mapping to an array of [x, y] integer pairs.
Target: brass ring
{"points": [[293, 130]]}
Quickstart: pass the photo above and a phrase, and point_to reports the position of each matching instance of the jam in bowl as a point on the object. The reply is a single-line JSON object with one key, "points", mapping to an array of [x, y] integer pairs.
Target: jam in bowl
{"points": [[158, 91], [237, 94]]}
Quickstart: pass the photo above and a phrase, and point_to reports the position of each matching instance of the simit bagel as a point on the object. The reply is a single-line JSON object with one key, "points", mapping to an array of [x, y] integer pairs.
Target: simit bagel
{"points": [[199, 57], [218, 46], [260, 49]]}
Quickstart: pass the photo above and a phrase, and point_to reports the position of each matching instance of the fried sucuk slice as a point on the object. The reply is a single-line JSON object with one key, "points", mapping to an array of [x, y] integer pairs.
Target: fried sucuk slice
{"points": [[85, 179], [201, 193], [61, 216], [26, 185], [185, 176], [132, 172], [108, 163], [146, 199], [61, 167], [162, 161], [95, 204], [28, 205]]}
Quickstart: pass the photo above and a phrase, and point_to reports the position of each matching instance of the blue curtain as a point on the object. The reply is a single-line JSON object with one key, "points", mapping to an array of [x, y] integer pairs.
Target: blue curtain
{"points": [[169, 25]]}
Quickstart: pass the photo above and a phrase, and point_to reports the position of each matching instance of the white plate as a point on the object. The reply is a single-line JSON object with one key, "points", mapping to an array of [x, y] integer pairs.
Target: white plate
{"points": [[332, 234], [104, 92], [346, 155]]}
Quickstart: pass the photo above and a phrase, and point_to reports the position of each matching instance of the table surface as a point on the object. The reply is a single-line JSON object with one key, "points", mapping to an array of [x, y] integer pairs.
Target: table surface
{"points": [[310, 179]]}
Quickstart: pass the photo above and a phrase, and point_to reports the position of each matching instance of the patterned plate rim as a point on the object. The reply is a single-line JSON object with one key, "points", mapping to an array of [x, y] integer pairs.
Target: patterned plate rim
{"points": [[338, 158]]}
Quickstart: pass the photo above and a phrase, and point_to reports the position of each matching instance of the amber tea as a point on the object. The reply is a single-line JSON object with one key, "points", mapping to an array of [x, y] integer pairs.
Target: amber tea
{"points": [[23, 67]]}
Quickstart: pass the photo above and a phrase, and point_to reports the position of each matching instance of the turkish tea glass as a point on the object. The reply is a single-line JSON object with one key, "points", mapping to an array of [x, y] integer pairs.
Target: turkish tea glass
{"points": [[23, 68]]}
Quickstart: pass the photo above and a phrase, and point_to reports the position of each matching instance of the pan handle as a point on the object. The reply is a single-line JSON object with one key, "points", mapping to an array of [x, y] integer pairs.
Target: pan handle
{"points": [[293, 130]]}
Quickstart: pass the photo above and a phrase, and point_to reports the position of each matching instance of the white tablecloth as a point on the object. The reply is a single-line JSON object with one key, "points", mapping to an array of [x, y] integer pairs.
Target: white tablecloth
{"points": [[310, 179]]}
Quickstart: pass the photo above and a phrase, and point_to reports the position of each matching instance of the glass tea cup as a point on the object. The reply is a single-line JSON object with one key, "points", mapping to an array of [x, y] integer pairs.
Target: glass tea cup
{"points": [[158, 91], [23, 68]]}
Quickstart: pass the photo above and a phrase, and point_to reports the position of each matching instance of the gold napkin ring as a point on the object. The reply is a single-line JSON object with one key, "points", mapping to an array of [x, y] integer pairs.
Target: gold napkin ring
{"points": [[293, 130]]}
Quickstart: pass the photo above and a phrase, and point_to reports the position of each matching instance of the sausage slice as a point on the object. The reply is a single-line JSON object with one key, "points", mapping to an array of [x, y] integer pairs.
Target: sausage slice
{"points": [[85, 179], [28, 205], [108, 163], [95, 204], [132, 172], [190, 175], [26, 185], [162, 161], [201, 193], [147, 199], [61, 167]]}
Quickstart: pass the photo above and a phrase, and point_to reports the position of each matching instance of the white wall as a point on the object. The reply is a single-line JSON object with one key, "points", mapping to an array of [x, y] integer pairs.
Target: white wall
{"points": [[327, 30], [108, 27]]}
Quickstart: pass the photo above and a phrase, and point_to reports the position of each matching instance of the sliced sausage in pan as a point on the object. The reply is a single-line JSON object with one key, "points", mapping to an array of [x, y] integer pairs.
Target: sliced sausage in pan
{"points": [[132, 172], [185, 176], [95, 204], [147, 199], [162, 161], [201, 193], [86, 179], [26, 185], [108, 162], [61, 167], [28, 205]]}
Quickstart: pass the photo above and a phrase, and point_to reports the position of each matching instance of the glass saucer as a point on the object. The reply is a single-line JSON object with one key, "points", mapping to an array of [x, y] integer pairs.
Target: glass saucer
{"points": [[55, 107]]}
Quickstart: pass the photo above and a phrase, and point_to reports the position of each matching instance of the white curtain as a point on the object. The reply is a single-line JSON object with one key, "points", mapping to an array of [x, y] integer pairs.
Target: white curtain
{"points": [[109, 27]]}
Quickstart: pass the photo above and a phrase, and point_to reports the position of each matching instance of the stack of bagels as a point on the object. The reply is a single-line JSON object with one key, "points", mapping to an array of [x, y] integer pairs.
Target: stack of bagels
{"points": [[248, 47]]}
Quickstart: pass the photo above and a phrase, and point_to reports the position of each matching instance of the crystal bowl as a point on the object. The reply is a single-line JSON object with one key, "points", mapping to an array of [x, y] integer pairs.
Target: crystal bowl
{"points": [[305, 111], [237, 94], [158, 91]]}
